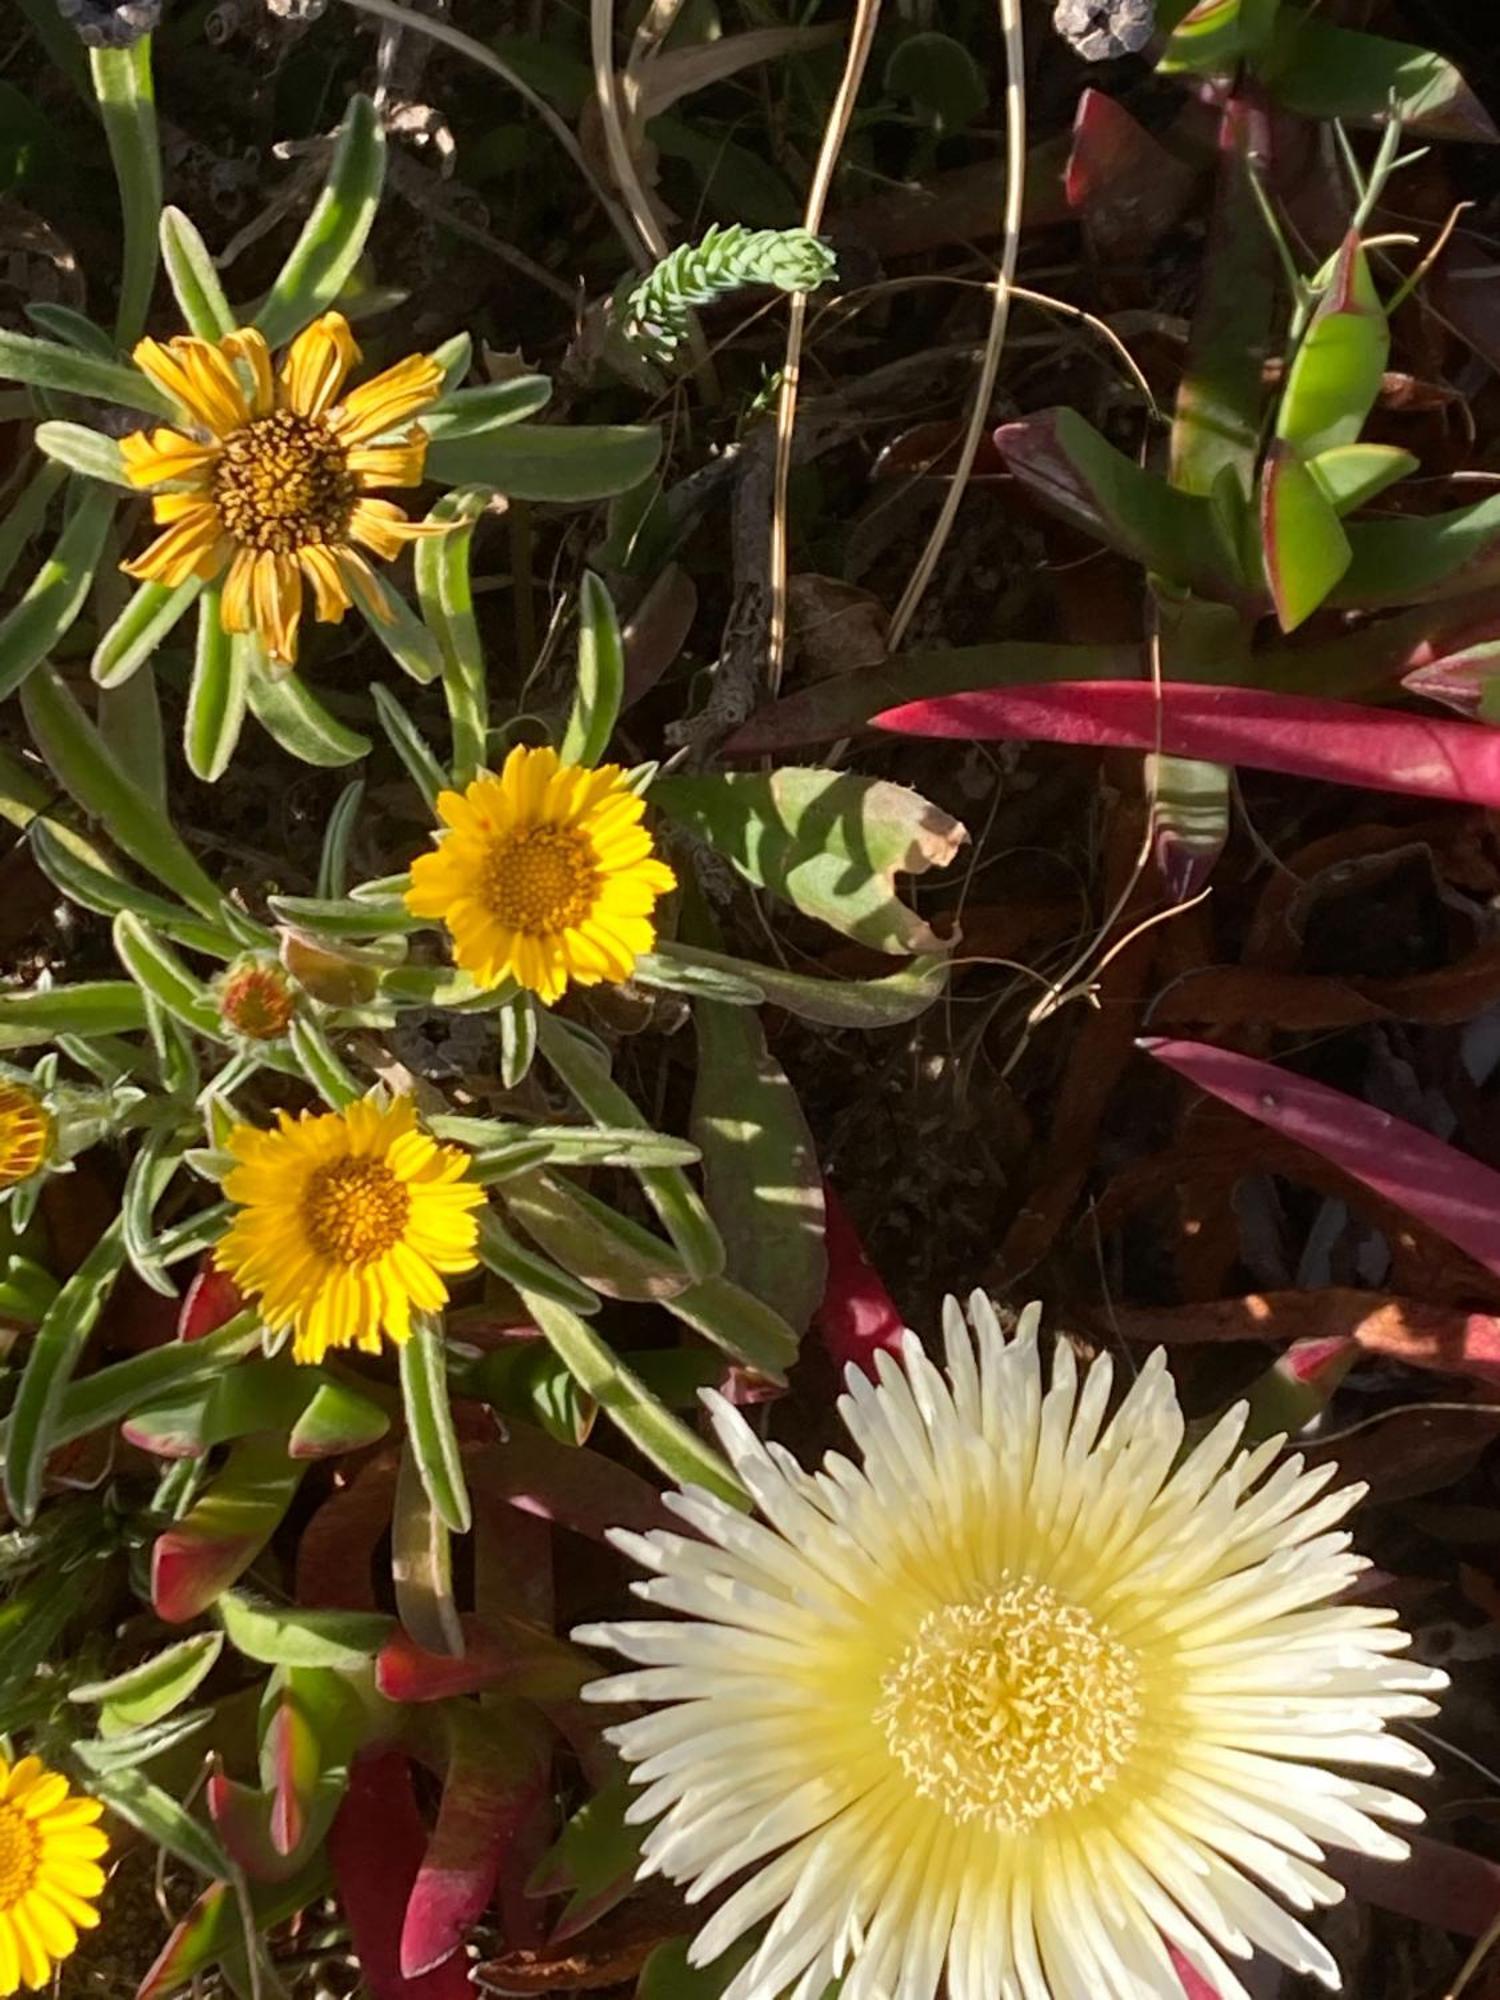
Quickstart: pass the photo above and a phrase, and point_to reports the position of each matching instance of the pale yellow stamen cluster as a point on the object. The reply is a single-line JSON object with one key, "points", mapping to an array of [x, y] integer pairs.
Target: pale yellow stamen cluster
{"points": [[1032, 1695], [1011, 1708], [356, 1209]]}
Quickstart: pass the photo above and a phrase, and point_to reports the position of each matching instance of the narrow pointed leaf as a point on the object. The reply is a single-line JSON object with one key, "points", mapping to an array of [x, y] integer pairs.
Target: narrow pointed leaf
{"points": [[599, 687], [651, 1428], [123, 88], [56, 1348], [445, 594], [835, 1003], [337, 1419], [333, 236], [409, 744], [284, 1636], [471, 412], [153, 1689], [56, 594], [165, 1823], [194, 277], [47, 364], [93, 1007], [429, 1420], [422, 1563], [216, 696], [84, 765], [151, 616], [376, 1845], [292, 715], [1451, 1192], [1303, 543], [110, 1394], [673, 1196], [1350, 475], [760, 1167], [568, 464], [397, 627], [1335, 376], [100, 890], [162, 974], [497, 1779], [1298, 734]]}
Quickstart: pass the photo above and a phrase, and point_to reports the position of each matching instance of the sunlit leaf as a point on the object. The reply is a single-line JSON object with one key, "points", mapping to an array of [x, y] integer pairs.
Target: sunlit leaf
{"points": [[829, 842]]}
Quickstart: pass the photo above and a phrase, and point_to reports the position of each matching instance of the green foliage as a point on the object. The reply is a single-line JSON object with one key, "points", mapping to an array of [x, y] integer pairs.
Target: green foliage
{"points": [[238, 1580], [655, 315]]}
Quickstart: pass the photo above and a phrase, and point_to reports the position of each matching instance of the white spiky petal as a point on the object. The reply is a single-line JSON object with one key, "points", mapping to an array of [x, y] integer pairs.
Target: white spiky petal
{"points": [[1021, 1702]]}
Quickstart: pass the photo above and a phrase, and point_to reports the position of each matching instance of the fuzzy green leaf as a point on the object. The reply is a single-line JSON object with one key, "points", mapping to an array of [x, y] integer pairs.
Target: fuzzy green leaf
{"points": [[333, 237]]}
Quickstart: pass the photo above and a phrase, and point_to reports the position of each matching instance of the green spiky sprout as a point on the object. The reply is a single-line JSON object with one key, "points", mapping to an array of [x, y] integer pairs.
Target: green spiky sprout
{"points": [[654, 314]]}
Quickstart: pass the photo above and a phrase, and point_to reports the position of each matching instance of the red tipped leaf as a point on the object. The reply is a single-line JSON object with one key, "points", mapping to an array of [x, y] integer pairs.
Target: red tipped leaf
{"points": [[376, 1845], [498, 1777]]}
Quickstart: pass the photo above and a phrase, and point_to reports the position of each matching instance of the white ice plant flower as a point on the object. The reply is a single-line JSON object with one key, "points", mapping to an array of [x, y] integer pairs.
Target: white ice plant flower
{"points": [[1023, 1699]]}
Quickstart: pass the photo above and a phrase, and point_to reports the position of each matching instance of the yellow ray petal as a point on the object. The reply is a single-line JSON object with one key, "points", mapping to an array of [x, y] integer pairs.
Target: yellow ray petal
{"points": [[364, 586], [276, 604], [388, 399], [234, 604], [167, 507], [191, 547], [316, 365], [390, 464], [152, 456], [330, 599], [249, 346], [195, 374], [382, 526]]}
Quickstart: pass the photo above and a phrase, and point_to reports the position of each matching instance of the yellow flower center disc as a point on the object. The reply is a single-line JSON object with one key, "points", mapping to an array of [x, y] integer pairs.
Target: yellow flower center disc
{"points": [[25, 1133], [541, 881], [1011, 1708], [283, 483], [20, 1856], [355, 1210]]}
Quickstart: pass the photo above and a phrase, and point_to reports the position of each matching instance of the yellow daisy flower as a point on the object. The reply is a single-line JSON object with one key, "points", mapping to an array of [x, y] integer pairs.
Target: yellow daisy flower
{"points": [[27, 1129], [272, 495], [49, 1872], [348, 1221], [1023, 1702], [545, 875]]}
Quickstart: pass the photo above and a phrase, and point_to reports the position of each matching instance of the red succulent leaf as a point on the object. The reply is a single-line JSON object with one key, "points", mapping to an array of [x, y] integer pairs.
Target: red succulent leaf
{"points": [[505, 1653], [213, 1299], [1427, 757], [376, 1845], [499, 1777], [1455, 1195], [857, 1317]]}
